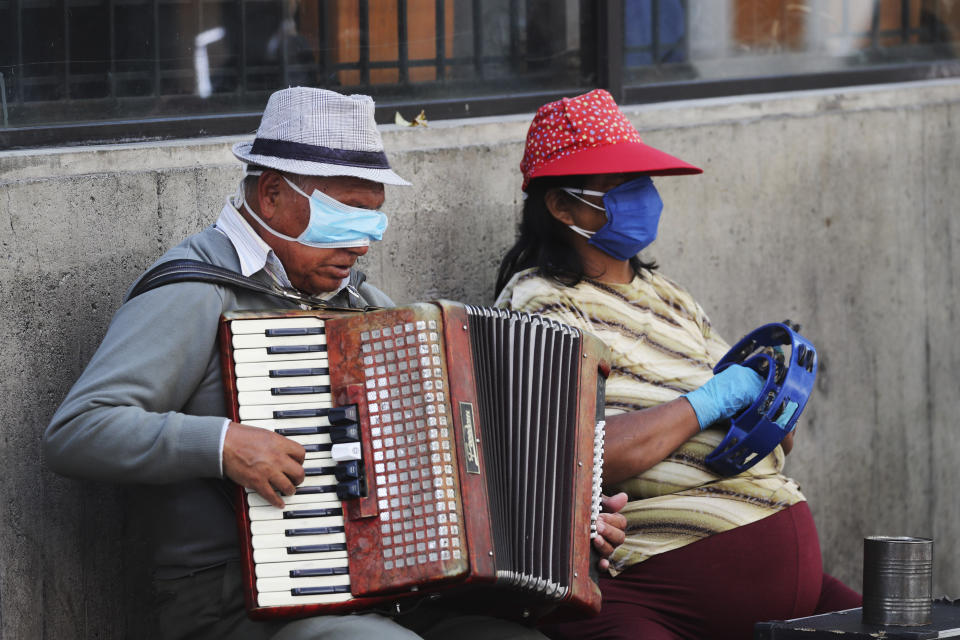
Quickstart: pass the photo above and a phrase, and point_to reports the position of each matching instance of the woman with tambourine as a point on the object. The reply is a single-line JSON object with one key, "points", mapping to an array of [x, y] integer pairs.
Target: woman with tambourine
{"points": [[706, 555]]}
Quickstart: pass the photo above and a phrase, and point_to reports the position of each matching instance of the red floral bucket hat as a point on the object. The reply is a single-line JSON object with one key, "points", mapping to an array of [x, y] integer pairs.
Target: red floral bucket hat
{"points": [[588, 135]]}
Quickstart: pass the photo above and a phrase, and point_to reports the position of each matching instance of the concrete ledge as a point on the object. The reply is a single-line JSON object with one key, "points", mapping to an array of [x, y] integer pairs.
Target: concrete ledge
{"points": [[465, 132]]}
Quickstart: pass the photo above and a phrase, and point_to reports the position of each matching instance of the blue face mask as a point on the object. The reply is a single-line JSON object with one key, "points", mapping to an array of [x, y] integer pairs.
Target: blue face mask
{"points": [[633, 214], [332, 224]]}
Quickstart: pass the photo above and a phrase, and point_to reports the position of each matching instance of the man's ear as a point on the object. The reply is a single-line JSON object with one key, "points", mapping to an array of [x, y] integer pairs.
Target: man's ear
{"points": [[558, 204], [269, 189]]}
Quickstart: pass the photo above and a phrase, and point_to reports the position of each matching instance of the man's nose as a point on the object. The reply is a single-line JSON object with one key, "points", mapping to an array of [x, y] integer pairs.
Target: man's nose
{"points": [[358, 251]]}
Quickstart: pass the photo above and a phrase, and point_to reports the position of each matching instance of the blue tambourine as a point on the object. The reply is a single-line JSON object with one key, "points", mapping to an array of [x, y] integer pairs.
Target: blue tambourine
{"points": [[788, 362]]}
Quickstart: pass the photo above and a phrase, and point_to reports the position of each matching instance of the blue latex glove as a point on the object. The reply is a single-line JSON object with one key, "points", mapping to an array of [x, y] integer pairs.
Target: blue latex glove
{"points": [[725, 394]]}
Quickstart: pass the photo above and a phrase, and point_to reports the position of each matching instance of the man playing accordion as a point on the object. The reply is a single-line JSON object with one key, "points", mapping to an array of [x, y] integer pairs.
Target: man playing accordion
{"points": [[149, 408]]}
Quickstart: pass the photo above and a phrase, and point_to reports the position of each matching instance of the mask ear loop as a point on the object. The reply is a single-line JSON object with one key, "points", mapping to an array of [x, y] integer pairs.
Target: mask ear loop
{"points": [[586, 192], [295, 187], [573, 193], [247, 172], [580, 231], [242, 202]]}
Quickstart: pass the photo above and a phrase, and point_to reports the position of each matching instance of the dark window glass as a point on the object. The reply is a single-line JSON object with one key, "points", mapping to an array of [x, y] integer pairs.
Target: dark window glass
{"points": [[75, 71], [707, 40], [96, 60]]}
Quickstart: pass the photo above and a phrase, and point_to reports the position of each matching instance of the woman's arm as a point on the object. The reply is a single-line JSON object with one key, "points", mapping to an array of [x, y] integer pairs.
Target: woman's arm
{"points": [[638, 440]]}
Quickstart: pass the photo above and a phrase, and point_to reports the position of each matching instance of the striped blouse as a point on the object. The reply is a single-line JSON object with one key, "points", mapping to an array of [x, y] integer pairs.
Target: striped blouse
{"points": [[662, 345]]}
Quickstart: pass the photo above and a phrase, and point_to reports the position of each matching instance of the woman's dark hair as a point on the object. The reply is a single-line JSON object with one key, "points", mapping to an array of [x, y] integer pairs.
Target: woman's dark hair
{"points": [[544, 241]]}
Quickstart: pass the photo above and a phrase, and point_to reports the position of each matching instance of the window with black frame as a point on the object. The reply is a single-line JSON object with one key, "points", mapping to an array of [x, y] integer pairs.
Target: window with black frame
{"points": [[80, 71], [125, 69]]}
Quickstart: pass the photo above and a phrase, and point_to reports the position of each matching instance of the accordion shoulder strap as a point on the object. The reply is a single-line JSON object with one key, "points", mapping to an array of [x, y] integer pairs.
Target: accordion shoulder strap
{"points": [[196, 271]]}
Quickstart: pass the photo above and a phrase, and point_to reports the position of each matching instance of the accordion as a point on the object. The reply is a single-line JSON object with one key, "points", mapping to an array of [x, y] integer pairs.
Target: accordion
{"points": [[449, 447]]}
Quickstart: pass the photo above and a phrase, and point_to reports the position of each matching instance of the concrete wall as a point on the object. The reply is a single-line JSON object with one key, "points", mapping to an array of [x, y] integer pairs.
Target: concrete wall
{"points": [[834, 209]]}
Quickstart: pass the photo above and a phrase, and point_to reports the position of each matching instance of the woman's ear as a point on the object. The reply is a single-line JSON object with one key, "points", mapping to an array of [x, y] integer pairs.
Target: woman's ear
{"points": [[558, 204]]}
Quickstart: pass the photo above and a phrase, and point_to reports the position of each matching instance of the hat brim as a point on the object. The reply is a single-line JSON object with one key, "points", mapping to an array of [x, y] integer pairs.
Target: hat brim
{"points": [[307, 168], [625, 157]]}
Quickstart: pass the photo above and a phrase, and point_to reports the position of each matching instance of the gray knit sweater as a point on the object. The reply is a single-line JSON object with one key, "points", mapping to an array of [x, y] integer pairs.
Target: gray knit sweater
{"points": [[150, 405]]}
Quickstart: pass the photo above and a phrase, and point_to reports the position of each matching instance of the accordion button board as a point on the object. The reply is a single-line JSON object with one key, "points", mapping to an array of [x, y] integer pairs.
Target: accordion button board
{"points": [[411, 485]]}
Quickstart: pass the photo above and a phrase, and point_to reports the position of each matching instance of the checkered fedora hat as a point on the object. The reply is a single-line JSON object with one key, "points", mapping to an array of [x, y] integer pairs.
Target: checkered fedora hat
{"points": [[315, 132]]}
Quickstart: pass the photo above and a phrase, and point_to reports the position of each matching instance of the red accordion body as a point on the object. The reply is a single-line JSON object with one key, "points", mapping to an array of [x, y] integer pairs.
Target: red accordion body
{"points": [[449, 447]]}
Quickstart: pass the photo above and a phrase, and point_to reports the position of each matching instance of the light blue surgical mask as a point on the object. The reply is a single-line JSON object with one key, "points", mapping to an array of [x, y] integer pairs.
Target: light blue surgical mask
{"points": [[332, 224], [633, 215]]}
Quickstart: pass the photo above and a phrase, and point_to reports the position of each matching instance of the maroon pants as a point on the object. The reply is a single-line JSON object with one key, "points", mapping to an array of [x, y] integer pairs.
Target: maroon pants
{"points": [[719, 587]]}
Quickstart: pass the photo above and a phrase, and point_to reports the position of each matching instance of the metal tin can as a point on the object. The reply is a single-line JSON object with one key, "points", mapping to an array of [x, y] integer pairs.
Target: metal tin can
{"points": [[897, 580]]}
